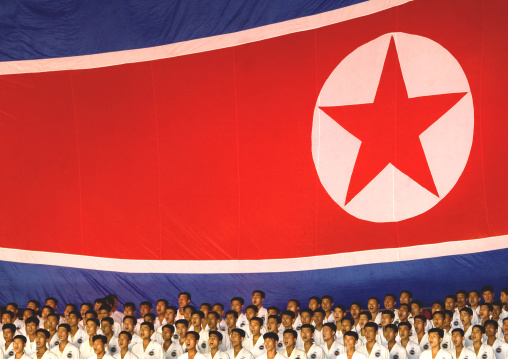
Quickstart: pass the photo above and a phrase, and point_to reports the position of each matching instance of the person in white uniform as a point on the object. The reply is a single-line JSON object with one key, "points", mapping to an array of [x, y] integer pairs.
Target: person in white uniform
{"points": [[64, 349], [271, 340], [129, 324], [435, 351], [255, 343], [8, 331], [350, 342], [107, 324], [331, 347], [413, 349], [41, 340], [31, 326], [500, 346], [481, 350], [86, 350], [191, 341], [438, 319], [124, 339], [312, 350], [420, 337], [172, 349], [395, 350], [327, 305], [460, 351], [237, 305], [18, 345], [238, 351], [372, 349], [147, 349], [258, 297], [213, 324], [214, 340], [290, 350], [77, 335], [51, 324], [100, 345]]}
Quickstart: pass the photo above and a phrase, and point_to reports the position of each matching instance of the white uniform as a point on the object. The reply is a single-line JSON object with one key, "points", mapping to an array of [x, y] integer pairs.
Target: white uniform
{"points": [[377, 319], [318, 336], [263, 313], [135, 340], [30, 347], [485, 352], [47, 355], [378, 351], [467, 337], [413, 350], [157, 337], [78, 338], [202, 344], [128, 355], [447, 343], [456, 323], [242, 322], [356, 355], [106, 356], [86, 350], [219, 355], [70, 352], [242, 354], [153, 351], [222, 326], [19, 323], [174, 351], [113, 346], [295, 354], [315, 352], [330, 319], [297, 325], [424, 343], [277, 356], [465, 353], [158, 324], [117, 317], [398, 352], [53, 341], [9, 352], [257, 349], [500, 349], [197, 356], [335, 350], [441, 354]]}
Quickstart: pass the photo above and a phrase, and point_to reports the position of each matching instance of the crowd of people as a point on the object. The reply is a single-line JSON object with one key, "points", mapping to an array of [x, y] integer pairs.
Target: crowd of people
{"points": [[464, 325]]}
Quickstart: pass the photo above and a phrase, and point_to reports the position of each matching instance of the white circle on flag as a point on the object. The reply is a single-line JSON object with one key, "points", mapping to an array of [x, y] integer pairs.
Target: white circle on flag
{"points": [[427, 69]]}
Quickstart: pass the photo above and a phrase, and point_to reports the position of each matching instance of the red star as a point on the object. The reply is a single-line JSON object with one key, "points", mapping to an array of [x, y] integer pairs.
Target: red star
{"points": [[389, 128]]}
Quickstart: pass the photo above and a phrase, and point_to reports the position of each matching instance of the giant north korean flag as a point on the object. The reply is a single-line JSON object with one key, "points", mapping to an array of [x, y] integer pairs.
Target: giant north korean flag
{"points": [[351, 148]]}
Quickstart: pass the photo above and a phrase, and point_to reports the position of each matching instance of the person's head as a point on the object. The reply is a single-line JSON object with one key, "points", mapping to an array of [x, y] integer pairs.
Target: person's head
{"points": [[435, 337], [258, 296], [437, 306], [146, 330], [293, 305], [124, 339], [214, 339], [271, 340], [370, 330], [404, 330], [168, 331], [477, 333], [149, 317], [390, 332], [205, 308], [129, 308], [7, 317], [145, 307], [237, 337], [347, 324], [63, 332], [191, 339], [181, 327], [448, 317], [328, 331], [326, 303], [8, 332], [406, 297], [51, 322], [104, 311], [416, 307], [213, 320], [306, 315], [420, 322], [196, 319], [504, 295], [219, 308], [390, 301], [52, 302], [97, 303], [251, 311], [488, 293], [85, 307], [255, 325], [497, 307], [231, 318], [69, 307], [466, 314], [237, 304], [272, 323], [450, 302], [438, 319], [387, 317], [34, 304], [160, 307], [129, 323], [350, 339], [474, 297], [91, 326], [18, 344], [404, 310], [491, 327], [289, 338], [99, 344], [457, 337], [107, 324], [184, 298], [314, 302], [13, 307], [319, 315], [273, 310], [485, 311], [307, 332], [461, 297], [31, 325], [288, 318], [339, 311], [188, 310], [41, 338], [373, 304], [355, 309], [364, 318]]}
